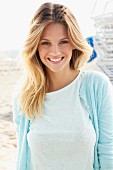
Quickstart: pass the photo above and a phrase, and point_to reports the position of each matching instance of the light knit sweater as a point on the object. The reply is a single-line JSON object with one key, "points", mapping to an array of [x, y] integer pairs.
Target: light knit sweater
{"points": [[96, 92], [63, 137]]}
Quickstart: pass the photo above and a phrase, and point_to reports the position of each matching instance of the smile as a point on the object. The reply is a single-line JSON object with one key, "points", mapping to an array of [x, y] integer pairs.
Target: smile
{"points": [[55, 60]]}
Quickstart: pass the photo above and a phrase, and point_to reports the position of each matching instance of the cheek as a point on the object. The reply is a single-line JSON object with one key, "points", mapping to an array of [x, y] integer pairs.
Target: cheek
{"points": [[68, 50], [41, 57], [41, 53]]}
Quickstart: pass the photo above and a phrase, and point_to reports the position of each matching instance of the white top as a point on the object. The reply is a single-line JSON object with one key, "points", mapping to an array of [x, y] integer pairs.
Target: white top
{"points": [[63, 137]]}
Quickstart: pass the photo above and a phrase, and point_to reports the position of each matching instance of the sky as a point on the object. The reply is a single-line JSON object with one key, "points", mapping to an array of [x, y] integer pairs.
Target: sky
{"points": [[15, 16]]}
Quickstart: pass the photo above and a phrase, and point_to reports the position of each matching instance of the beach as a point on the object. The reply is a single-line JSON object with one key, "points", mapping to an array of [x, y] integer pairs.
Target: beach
{"points": [[10, 72]]}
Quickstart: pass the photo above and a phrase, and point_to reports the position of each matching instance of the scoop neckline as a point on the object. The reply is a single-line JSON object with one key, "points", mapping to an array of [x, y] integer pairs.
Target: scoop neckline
{"points": [[64, 88]]}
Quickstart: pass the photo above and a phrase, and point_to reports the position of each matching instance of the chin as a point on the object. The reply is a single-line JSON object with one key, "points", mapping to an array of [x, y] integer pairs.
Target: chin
{"points": [[55, 70]]}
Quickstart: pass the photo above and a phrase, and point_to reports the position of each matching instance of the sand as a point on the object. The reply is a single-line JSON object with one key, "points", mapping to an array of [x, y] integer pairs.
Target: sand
{"points": [[9, 74]]}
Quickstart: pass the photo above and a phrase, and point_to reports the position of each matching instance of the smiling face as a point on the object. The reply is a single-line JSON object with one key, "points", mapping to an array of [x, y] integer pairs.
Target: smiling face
{"points": [[55, 48]]}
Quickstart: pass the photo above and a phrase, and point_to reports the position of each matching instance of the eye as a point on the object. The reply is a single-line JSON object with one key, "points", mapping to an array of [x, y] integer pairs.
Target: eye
{"points": [[64, 42], [45, 43]]}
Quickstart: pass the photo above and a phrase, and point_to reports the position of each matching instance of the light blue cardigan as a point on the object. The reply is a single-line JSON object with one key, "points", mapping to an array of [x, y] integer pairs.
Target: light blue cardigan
{"points": [[96, 93]]}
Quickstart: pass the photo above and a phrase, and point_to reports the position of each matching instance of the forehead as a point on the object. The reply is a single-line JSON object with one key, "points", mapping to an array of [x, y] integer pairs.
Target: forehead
{"points": [[54, 30]]}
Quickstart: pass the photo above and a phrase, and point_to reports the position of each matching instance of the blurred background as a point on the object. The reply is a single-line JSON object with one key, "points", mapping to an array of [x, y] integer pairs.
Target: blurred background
{"points": [[95, 18], [15, 16]]}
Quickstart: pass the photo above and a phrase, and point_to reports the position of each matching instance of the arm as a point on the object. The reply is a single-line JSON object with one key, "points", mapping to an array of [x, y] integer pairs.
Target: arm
{"points": [[22, 126], [16, 117], [105, 125], [16, 110]]}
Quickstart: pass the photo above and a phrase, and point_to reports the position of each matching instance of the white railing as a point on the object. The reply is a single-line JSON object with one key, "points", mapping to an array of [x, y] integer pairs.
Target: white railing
{"points": [[103, 41]]}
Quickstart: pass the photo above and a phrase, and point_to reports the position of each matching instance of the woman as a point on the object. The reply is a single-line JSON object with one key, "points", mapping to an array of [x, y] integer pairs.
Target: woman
{"points": [[63, 115]]}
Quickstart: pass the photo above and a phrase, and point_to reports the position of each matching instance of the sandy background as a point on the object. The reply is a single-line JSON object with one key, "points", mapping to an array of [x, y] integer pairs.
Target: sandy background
{"points": [[9, 74]]}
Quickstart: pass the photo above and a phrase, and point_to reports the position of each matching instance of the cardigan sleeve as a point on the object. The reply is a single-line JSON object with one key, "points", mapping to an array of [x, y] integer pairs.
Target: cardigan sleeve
{"points": [[22, 127], [16, 114], [16, 110], [105, 125]]}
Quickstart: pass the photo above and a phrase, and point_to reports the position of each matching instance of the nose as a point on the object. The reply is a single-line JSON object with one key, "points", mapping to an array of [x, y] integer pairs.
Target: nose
{"points": [[55, 50]]}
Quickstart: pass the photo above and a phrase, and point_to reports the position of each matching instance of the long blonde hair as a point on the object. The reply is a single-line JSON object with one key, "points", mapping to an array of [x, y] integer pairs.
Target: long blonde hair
{"points": [[34, 88]]}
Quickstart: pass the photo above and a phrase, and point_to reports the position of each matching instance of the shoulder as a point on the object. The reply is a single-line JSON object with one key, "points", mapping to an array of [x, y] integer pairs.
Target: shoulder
{"points": [[15, 96], [96, 83], [18, 86], [16, 107], [94, 77]]}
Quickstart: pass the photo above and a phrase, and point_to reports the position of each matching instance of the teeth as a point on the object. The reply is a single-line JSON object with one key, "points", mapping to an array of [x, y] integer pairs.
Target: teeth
{"points": [[55, 60]]}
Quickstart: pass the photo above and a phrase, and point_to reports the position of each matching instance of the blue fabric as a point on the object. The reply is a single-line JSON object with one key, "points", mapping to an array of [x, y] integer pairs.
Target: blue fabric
{"points": [[94, 54], [96, 92]]}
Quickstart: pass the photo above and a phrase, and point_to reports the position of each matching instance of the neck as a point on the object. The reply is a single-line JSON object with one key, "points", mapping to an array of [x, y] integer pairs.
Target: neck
{"points": [[61, 79]]}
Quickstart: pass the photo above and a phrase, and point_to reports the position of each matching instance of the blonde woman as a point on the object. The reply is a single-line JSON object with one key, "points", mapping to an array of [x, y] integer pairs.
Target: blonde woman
{"points": [[62, 114]]}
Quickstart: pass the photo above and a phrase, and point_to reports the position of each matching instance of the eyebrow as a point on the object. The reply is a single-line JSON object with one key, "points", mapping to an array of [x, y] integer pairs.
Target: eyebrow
{"points": [[49, 40]]}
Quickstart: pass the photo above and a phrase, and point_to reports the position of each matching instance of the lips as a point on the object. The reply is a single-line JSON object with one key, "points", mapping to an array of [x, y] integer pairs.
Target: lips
{"points": [[55, 60]]}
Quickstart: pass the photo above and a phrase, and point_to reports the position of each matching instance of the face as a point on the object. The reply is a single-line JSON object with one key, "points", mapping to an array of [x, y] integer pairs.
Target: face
{"points": [[55, 48]]}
